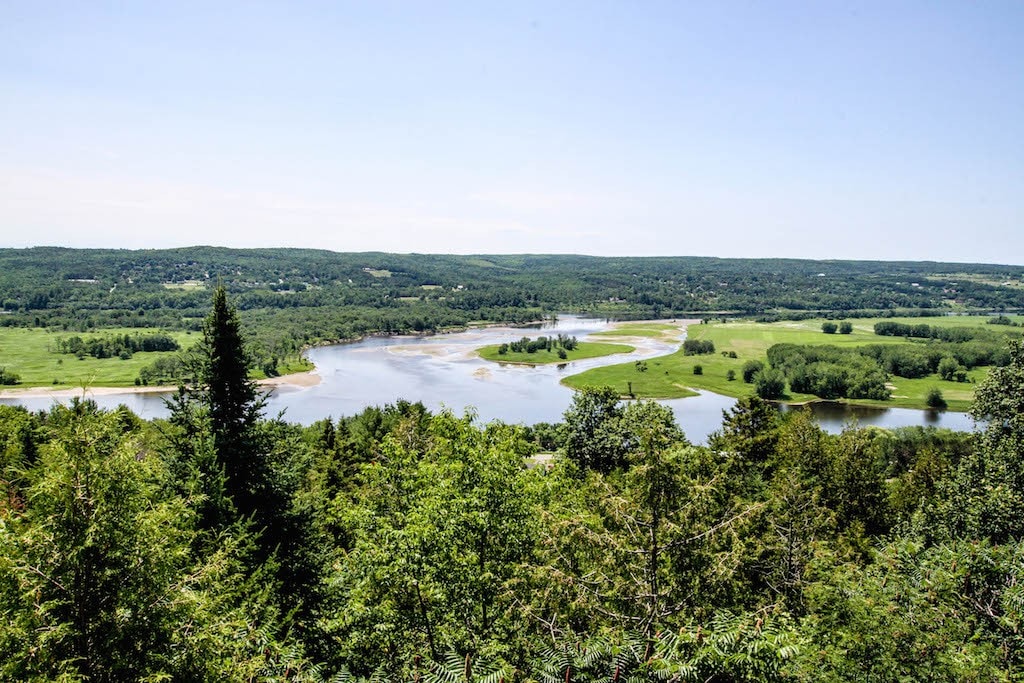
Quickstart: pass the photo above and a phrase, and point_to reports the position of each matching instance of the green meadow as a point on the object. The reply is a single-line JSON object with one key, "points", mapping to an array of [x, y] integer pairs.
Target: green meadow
{"points": [[543, 357], [672, 376], [32, 354]]}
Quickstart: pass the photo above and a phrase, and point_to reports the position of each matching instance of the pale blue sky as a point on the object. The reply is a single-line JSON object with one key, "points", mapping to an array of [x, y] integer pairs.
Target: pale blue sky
{"points": [[888, 130]]}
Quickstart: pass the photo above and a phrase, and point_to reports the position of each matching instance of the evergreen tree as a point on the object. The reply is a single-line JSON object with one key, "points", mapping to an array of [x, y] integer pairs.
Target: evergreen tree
{"points": [[234, 404], [258, 466]]}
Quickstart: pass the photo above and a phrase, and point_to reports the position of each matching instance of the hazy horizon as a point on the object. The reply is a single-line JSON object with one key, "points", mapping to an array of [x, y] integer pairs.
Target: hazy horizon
{"points": [[532, 253]]}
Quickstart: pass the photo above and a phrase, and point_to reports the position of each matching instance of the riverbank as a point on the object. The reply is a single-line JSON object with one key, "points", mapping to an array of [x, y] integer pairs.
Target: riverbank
{"points": [[628, 378], [445, 374]]}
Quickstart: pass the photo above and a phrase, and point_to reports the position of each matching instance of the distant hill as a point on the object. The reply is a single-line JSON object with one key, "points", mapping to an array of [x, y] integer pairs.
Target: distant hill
{"points": [[295, 297]]}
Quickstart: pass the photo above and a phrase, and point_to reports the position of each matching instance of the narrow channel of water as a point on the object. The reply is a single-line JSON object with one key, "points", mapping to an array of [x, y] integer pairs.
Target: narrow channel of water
{"points": [[443, 371]]}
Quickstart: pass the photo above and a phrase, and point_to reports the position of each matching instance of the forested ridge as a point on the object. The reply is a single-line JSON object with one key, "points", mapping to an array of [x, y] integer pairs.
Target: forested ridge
{"points": [[296, 297], [223, 544]]}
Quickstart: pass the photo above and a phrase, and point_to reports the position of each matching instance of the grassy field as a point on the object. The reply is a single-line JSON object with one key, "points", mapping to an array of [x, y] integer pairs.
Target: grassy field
{"points": [[582, 350], [31, 354], [672, 376]]}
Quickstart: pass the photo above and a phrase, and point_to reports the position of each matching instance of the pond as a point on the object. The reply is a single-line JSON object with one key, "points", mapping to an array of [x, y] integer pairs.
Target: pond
{"points": [[443, 371]]}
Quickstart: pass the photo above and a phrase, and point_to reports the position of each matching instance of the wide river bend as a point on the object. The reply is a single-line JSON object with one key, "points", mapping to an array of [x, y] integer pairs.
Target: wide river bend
{"points": [[443, 371]]}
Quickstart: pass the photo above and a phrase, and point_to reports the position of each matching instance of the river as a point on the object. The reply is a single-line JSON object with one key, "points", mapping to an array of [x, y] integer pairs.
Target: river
{"points": [[443, 371]]}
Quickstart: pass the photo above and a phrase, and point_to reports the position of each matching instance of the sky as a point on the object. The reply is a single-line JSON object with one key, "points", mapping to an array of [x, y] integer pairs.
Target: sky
{"points": [[839, 130]]}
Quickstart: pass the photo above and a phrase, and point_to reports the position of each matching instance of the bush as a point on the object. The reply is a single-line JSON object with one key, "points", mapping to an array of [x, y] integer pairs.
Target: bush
{"points": [[845, 327], [731, 375], [934, 399], [829, 328], [698, 369]]}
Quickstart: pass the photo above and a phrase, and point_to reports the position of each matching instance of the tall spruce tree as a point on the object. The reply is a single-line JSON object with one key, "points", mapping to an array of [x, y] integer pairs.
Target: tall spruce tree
{"points": [[246, 470], [235, 405]]}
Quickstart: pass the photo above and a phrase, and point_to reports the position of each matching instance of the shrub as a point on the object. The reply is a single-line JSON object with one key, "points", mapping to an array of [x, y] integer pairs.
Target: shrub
{"points": [[829, 328], [934, 399], [845, 327], [698, 369]]}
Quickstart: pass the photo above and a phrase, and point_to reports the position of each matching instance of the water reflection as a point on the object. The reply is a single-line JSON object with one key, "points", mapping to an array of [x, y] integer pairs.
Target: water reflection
{"points": [[834, 416]]}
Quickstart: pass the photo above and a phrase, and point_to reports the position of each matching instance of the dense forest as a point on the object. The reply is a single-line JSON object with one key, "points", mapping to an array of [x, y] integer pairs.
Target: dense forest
{"points": [[296, 297], [399, 545]]}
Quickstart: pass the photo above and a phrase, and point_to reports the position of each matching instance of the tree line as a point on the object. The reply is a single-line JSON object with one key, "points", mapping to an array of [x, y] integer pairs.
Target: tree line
{"points": [[888, 328], [115, 346]]}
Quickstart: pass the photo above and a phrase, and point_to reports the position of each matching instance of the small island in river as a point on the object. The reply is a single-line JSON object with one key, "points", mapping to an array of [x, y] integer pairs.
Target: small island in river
{"points": [[545, 350]]}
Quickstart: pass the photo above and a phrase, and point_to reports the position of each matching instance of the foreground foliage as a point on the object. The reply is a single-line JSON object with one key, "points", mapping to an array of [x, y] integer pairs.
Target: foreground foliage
{"points": [[398, 545]]}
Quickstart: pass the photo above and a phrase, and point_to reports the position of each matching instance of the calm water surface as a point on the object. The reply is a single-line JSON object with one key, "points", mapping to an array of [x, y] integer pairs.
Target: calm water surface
{"points": [[443, 371]]}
